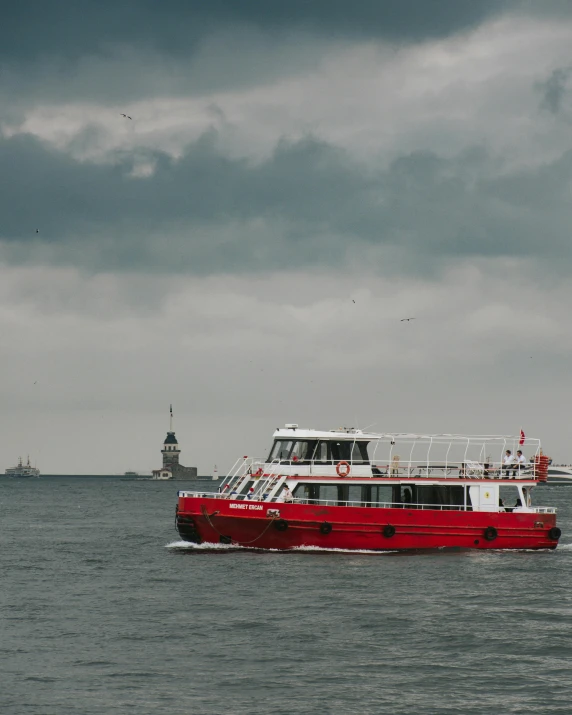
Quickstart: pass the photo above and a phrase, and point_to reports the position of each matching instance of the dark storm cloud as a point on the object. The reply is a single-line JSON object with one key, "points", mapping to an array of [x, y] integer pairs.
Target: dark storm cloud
{"points": [[313, 205], [38, 29], [554, 89]]}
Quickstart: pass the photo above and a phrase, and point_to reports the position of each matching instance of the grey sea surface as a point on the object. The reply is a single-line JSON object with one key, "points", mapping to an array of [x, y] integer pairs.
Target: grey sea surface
{"points": [[104, 611]]}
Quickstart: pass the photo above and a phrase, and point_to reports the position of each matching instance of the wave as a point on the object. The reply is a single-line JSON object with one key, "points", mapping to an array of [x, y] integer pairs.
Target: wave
{"points": [[213, 546]]}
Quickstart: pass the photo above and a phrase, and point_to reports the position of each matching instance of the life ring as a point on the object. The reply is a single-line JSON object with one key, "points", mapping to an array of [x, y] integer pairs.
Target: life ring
{"points": [[326, 528], [490, 533], [343, 469], [388, 531], [555, 533], [281, 525]]}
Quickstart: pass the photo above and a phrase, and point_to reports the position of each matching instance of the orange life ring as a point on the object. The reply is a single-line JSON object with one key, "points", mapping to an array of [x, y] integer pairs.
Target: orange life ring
{"points": [[340, 469]]}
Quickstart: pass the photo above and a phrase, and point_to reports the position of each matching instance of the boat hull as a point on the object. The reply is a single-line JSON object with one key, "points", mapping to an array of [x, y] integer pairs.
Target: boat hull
{"points": [[286, 526]]}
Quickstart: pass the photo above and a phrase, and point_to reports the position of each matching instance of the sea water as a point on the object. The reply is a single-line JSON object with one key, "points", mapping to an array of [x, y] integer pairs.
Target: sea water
{"points": [[105, 611]]}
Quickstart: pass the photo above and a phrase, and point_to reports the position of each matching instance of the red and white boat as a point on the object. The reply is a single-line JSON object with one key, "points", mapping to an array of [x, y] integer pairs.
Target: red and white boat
{"points": [[348, 489]]}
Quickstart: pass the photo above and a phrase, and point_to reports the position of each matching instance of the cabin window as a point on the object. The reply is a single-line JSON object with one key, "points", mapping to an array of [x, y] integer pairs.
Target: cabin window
{"points": [[436, 496], [359, 453], [354, 495], [281, 450], [307, 493], [340, 451], [321, 453], [354, 452], [380, 495], [329, 493], [300, 451]]}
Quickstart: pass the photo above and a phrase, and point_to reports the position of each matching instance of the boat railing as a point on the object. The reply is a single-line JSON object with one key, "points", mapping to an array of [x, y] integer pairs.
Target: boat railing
{"points": [[469, 469], [368, 504]]}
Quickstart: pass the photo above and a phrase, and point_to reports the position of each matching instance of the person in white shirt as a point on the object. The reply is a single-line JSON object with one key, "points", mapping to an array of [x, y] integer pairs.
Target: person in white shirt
{"points": [[520, 460], [286, 495], [508, 463]]}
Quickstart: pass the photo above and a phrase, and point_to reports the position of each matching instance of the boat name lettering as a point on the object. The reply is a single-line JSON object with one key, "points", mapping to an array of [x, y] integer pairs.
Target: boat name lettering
{"points": [[257, 507]]}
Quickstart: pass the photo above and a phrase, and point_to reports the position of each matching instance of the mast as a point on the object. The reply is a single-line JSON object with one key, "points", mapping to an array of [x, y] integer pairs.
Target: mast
{"points": [[171, 421]]}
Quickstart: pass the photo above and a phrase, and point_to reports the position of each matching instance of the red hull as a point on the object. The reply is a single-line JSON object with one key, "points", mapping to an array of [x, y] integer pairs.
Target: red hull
{"points": [[252, 524]]}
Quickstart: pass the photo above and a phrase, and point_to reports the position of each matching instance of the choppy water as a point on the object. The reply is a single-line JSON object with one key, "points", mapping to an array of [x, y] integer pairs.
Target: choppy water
{"points": [[104, 613]]}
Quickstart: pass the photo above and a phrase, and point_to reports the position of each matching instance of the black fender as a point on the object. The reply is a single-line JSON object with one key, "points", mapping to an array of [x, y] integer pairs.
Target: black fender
{"points": [[490, 533]]}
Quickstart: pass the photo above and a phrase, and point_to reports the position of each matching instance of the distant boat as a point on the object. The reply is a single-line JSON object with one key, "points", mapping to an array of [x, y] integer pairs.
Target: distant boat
{"points": [[559, 474], [215, 474], [23, 470], [130, 474]]}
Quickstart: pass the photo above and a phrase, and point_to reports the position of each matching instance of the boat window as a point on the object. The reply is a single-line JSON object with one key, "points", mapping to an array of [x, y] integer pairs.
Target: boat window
{"points": [[354, 495], [321, 453], [306, 493], [329, 493], [440, 496], [300, 451], [359, 453], [281, 450], [349, 451], [379, 495], [340, 451]]}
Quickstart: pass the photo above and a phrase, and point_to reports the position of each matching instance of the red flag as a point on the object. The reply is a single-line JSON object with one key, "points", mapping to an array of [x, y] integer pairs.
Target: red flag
{"points": [[522, 437]]}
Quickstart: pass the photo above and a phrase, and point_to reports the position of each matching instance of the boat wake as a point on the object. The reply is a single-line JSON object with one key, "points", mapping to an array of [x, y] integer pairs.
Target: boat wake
{"points": [[190, 546]]}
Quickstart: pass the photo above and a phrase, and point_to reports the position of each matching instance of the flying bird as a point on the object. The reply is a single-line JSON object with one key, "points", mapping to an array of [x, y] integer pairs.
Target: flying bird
{"points": [[406, 319], [353, 301], [37, 230], [126, 116]]}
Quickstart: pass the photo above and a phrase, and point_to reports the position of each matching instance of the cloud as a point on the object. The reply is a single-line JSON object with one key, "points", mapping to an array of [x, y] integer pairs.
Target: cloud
{"points": [[32, 30], [309, 203], [554, 89], [241, 355], [284, 160]]}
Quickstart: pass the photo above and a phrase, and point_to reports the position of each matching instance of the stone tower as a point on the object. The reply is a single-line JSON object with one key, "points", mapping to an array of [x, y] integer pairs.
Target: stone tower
{"points": [[170, 449], [172, 467]]}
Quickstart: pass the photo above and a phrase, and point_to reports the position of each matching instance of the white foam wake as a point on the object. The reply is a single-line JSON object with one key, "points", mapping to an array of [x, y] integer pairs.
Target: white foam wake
{"points": [[211, 546]]}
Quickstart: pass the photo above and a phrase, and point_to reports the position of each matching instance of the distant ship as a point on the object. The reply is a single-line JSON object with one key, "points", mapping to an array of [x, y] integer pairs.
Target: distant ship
{"points": [[559, 474], [23, 470]]}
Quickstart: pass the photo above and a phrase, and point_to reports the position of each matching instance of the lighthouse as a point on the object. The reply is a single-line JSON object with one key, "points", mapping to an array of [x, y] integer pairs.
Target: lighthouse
{"points": [[172, 468], [170, 449]]}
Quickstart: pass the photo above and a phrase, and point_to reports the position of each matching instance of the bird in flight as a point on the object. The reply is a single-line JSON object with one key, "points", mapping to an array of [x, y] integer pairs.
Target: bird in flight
{"points": [[126, 116], [406, 319], [353, 301], [37, 230]]}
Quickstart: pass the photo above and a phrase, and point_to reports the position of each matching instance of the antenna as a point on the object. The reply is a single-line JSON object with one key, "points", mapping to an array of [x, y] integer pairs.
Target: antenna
{"points": [[171, 420]]}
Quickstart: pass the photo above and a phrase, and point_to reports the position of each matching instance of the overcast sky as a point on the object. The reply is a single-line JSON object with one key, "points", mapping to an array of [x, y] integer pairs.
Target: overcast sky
{"points": [[296, 178]]}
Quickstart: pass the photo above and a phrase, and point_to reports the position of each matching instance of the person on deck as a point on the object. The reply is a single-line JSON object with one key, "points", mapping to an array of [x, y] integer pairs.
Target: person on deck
{"points": [[508, 463], [520, 461], [286, 495]]}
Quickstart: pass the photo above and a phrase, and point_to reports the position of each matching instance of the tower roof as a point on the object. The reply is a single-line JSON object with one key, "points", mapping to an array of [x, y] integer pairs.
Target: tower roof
{"points": [[170, 438]]}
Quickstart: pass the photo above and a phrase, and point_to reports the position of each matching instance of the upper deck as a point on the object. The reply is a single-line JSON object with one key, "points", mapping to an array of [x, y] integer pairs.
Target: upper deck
{"points": [[352, 453]]}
